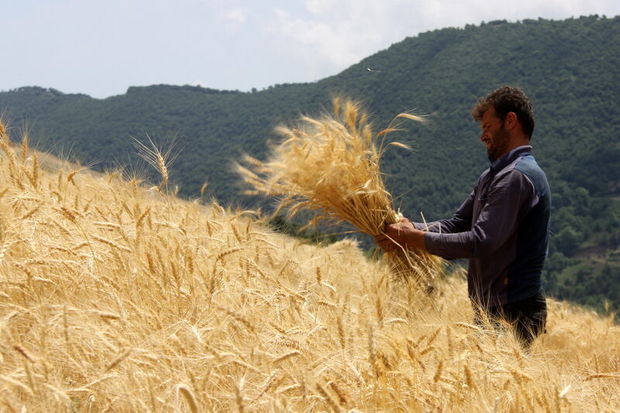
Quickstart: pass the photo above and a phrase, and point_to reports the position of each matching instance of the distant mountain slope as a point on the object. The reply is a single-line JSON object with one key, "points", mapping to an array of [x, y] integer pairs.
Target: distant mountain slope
{"points": [[570, 69]]}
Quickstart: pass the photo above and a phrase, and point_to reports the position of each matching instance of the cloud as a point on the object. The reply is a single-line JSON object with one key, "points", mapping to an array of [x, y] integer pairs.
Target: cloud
{"points": [[318, 7], [337, 32], [108, 45], [333, 34], [235, 17]]}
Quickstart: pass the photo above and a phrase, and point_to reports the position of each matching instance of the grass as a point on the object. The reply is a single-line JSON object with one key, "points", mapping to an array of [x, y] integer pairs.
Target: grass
{"points": [[119, 298]]}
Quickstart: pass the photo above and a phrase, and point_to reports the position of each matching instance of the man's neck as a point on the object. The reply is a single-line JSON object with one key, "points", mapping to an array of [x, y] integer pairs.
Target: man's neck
{"points": [[506, 158], [515, 142]]}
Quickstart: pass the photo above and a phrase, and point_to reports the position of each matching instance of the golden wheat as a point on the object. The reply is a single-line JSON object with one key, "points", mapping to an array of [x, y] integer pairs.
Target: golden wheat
{"points": [[331, 166], [256, 322], [158, 159]]}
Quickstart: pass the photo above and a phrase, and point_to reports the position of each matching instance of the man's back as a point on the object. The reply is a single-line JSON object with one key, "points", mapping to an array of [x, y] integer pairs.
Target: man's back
{"points": [[532, 238]]}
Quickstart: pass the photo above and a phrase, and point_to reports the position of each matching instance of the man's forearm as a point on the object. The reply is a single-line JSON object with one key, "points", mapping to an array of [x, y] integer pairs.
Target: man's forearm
{"points": [[452, 246], [415, 239]]}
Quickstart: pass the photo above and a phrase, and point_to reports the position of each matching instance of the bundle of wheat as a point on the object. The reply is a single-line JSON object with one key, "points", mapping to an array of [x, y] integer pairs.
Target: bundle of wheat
{"points": [[331, 165]]}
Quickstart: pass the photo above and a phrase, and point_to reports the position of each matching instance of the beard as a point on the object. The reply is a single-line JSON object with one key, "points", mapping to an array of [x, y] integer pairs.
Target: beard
{"points": [[499, 144]]}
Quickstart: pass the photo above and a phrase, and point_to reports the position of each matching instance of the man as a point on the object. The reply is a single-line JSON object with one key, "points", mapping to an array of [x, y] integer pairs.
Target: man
{"points": [[502, 227]]}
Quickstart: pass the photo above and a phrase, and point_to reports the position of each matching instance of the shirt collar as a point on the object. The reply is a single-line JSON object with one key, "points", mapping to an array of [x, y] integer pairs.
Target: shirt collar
{"points": [[500, 163]]}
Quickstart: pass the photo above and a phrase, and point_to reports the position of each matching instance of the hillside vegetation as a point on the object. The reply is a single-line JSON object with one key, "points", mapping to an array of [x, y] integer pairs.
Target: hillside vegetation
{"points": [[120, 298], [569, 68]]}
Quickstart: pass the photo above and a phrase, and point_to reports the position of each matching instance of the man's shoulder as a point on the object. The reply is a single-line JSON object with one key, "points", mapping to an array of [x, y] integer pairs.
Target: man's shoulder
{"points": [[528, 166], [525, 164]]}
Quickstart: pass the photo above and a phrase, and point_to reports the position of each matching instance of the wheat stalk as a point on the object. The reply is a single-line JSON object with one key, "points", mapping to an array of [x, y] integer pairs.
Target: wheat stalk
{"points": [[189, 397], [158, 158], [331, 166]]}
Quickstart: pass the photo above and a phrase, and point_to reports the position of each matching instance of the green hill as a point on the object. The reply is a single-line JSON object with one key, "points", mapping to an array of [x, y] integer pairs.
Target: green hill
{"points": [[569, 68]]}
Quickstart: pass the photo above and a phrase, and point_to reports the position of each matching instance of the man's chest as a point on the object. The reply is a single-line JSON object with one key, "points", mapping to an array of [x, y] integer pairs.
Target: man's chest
{"points": [[481, 195]]}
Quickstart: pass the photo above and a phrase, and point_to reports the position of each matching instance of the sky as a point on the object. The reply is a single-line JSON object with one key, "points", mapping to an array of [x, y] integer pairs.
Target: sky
{"points": [[100, 48]]}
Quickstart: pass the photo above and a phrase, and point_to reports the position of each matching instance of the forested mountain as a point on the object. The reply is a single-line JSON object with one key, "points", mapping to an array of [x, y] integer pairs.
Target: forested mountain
{"points": [[570, 68]]}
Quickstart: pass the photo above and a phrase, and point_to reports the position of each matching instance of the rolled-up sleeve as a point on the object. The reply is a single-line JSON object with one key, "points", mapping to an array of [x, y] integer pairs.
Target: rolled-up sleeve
{"points": [[498, 219]]}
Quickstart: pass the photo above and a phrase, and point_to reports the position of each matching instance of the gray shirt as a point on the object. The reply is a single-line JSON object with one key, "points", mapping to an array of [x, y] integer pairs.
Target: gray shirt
{"points": [[502, 227]]}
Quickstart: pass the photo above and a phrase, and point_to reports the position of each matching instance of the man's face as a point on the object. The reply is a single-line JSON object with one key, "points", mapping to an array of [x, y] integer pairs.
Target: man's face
{"points": [[494, 134]]}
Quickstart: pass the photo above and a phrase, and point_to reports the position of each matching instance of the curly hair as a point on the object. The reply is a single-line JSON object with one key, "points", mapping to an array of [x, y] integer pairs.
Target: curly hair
{"points": [[504, 100]]}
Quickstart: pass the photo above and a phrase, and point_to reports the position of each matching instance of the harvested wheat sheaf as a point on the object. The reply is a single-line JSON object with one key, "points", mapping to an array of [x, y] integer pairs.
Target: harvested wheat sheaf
{"points": [[331, 166]]}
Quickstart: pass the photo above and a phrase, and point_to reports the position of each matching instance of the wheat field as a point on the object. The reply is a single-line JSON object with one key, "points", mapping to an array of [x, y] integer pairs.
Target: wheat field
{"points": [[122, 299]]}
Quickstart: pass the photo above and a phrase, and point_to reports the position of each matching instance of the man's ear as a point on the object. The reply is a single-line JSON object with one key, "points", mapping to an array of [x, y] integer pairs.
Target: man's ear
{"points": [[511, 120]]}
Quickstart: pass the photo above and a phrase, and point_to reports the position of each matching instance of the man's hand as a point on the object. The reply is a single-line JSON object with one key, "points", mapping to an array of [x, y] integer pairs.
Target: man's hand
{"points": [[400, 235]]}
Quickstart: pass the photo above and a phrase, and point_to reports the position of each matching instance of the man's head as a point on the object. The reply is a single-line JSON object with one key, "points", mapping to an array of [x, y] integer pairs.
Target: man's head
{"points": [[506, 118]]}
